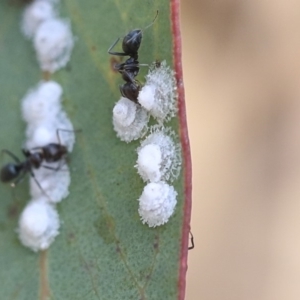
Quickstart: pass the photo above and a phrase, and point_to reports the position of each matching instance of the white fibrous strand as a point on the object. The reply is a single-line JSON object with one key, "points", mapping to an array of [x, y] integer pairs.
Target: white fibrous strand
{"points": [[159, 94], [34, 14], [157, 203], [53, 43], [38, 225], [159, 156], [129, 120]]}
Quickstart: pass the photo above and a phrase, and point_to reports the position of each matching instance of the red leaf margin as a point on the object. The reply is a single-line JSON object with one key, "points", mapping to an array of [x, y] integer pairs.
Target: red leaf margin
{"points": [[184, 137]]}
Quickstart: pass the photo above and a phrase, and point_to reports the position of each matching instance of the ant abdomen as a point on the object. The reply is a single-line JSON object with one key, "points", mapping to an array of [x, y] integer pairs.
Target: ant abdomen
{"points": [[34, 159], [130, 91]]}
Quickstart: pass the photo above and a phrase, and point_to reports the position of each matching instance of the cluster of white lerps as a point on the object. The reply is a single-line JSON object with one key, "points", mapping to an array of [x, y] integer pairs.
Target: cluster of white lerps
{"points": [[159, 162], [47, 123], [44, 115], [159, 155], [157, 98], [52, 37]]}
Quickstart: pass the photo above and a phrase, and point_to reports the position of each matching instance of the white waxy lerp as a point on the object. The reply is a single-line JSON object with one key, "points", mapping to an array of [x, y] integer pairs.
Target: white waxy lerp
{"points": [[53, 43], [54, 183], [42, 102], [159, 156], [159, 94], [34, 14], [157, 203], [58, 130], [38, 225], [149, 162], [129, 120], [42, 110], [39, 135]]}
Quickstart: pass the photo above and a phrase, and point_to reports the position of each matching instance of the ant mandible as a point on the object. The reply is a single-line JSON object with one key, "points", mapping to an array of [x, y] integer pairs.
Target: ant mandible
{"points": [[34, 158], [130, 68]]}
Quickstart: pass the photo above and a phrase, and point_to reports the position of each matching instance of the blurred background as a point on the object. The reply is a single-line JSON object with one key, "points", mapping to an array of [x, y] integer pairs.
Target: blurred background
{"points": [[242, 80]]}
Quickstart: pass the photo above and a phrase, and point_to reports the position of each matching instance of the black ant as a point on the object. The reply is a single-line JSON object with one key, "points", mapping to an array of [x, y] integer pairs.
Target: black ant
{"points": [[192, 242], [34, 159], [131, 67]]}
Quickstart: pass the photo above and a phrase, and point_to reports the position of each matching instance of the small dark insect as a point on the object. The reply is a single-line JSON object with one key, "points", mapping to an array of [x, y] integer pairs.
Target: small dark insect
{"points": [[192, 242], [34, 159], [131, 67], [157, 63]]}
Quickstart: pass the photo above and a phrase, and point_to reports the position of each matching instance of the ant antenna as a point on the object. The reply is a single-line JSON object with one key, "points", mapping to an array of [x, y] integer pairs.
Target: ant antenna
{"points": [[65, 130], [133, 37], [152, 21]]}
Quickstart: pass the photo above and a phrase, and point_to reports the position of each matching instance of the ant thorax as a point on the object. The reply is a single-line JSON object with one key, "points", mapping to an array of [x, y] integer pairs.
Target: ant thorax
{"points": [[35, 159]]}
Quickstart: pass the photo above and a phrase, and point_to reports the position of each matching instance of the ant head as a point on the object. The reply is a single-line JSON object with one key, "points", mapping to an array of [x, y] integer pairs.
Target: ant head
{"points": [[9, 172], [132, 41]]}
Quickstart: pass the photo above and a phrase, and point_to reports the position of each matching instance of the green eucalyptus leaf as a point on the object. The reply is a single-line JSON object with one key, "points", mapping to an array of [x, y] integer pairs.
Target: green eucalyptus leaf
{"points": [[103, 250]]}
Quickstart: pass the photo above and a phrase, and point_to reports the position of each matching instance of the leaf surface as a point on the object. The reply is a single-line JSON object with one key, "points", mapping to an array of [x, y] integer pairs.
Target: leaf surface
{"points": [[103, 250]]}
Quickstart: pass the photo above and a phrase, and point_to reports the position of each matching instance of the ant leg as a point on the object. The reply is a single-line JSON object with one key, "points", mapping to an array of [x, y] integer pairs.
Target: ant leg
{"points": [[127, 77], [192, 242], [53, 169], [27, 153], [11, 155], [58, 168], [115, 53], [65, 130], [136, 65], [119, 67], [121, 90], [19, 179], [39, 185]]}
